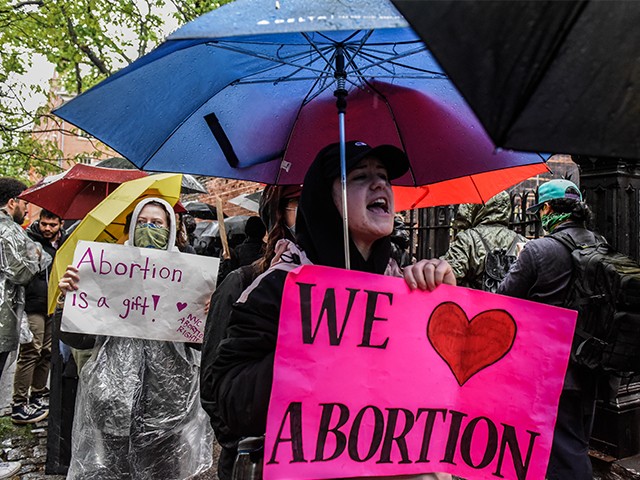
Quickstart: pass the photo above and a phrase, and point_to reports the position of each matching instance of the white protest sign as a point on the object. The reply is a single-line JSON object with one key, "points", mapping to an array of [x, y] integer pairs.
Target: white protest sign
{"points": [[139, 292]]}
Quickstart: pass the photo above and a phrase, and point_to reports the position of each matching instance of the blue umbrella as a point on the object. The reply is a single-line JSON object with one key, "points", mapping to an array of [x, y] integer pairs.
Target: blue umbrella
{"points": [[249, 91]]}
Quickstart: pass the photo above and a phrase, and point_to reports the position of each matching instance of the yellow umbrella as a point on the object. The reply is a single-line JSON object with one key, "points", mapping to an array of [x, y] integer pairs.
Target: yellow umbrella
{"points": [[105, 223]]}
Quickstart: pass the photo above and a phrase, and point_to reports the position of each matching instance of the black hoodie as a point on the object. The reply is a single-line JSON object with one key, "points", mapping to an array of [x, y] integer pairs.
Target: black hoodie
{"points": [[236, 388], [319, 230], [36, 291]]}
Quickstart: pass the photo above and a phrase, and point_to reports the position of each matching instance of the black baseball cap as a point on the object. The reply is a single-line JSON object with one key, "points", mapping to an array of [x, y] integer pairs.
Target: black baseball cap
{"points": [[394, 159]]}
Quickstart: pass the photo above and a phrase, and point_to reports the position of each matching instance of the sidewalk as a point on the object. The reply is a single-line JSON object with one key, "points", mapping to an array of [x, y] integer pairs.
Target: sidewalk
{"points": [[28, 445]]}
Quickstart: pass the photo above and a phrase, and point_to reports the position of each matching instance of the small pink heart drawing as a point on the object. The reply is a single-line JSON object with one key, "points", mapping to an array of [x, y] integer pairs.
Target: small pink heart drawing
{"points": [[181, 306]]}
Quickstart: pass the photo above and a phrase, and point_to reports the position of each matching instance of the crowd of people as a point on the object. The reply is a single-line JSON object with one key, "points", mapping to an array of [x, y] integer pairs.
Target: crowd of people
{"points": [[148, 409]]}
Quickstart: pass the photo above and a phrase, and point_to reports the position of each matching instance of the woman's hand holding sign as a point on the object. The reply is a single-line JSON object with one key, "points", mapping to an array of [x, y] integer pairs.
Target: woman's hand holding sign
{"points": [[428, 274], [69, 281]]}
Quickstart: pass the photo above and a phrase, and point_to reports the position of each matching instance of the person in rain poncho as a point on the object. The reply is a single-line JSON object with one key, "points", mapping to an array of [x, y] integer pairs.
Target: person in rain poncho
{"points": [[138, 413], [20, 260], [480, 226], [243, 368]]}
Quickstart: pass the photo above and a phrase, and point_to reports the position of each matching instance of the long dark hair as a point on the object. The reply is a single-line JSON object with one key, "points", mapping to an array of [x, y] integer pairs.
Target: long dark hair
{"points": [[580, 211], [273, 205]]}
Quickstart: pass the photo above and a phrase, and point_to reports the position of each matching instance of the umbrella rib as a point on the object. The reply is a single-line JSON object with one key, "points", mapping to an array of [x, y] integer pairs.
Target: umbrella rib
{"points": [[361, 49], [318, 50], [280, 61], [392, 60], [395, 123]]}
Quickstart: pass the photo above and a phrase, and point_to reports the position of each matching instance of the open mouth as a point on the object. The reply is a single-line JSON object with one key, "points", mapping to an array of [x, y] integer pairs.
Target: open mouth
{"points": [[379, 205]]}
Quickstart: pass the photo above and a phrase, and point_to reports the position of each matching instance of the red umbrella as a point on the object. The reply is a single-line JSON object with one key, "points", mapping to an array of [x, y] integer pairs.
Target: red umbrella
{"points": [[74, 193], [452, 158], [441, 137], [469, 189]]}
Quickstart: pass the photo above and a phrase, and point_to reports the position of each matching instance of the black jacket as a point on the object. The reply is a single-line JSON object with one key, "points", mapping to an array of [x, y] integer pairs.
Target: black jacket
{"points": [[244, 254], [544, 268], [36, 291], [236, 389], [543, 273]]}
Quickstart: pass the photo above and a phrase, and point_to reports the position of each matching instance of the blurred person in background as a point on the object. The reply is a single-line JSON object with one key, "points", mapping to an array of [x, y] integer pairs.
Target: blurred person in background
{"points": [[278, 208], [20, 260], [30, 392], [248, 251]]}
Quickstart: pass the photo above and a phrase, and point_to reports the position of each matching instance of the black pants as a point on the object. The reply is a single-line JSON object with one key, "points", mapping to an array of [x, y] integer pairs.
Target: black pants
{"points": [[3, 360], [570, 450]]}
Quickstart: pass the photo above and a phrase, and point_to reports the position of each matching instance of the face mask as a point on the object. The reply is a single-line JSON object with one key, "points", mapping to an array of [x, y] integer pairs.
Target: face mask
{"points": [[147, 235], [551, 220]]}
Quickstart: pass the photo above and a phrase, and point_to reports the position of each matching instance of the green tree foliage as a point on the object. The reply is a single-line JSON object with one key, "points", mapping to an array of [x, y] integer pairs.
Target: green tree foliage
{"points": [[86, 41]]}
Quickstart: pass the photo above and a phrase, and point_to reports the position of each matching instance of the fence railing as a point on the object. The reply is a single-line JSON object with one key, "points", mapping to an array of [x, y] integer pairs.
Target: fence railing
{"points": [[431, 232]]}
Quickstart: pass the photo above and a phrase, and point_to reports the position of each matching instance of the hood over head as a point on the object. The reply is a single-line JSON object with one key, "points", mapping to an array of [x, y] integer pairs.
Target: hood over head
{"points": [[319, 223], [496, 210], [171, 242]]}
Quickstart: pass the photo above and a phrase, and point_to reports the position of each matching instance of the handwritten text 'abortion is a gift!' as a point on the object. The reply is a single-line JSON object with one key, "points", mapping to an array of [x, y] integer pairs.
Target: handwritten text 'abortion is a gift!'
{"points": [[372, 379], [139, 292]]}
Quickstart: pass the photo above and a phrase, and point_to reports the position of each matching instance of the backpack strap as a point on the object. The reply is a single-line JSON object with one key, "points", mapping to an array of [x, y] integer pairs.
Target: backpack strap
{"points": [[569, 242], [488, 249], [484, 242]]}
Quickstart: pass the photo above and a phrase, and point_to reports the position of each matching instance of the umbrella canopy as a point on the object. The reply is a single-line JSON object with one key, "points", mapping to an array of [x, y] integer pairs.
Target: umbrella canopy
{"points": [[72, 194], [247, 91], [248, 201], [233, 226], [470, 189], [542, 75], [189, 183], [202, 210], [105, 223], [227, 95]]}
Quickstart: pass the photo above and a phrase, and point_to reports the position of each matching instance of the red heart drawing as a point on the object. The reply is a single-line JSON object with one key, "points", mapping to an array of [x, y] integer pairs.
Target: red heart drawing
{"points": [[468, 346], [181, 306]]}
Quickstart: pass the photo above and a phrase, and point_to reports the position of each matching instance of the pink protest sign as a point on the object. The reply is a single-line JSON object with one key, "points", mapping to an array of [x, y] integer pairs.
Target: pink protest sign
{"points": [[371, 379]]}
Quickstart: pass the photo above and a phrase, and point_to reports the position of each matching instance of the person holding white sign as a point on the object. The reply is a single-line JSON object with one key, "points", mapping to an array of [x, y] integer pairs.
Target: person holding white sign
{"points": [[243, 368], [138, 412]]}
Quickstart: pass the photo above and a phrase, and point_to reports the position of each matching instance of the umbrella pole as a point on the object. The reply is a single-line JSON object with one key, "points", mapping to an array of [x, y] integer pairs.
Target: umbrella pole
{"points": [[343, 183], [341, 103]]}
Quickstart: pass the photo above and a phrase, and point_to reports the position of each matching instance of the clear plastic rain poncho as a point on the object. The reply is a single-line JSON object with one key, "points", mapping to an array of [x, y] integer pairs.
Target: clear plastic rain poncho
{"points": [[20, 259], [138, 412]]}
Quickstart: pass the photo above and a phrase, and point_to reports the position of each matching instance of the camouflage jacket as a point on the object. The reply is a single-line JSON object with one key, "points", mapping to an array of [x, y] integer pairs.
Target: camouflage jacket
{"points": [[475, 222]]}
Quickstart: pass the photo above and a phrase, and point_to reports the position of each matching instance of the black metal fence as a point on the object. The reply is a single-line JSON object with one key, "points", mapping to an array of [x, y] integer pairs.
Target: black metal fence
{"points": [[431, 232]]}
